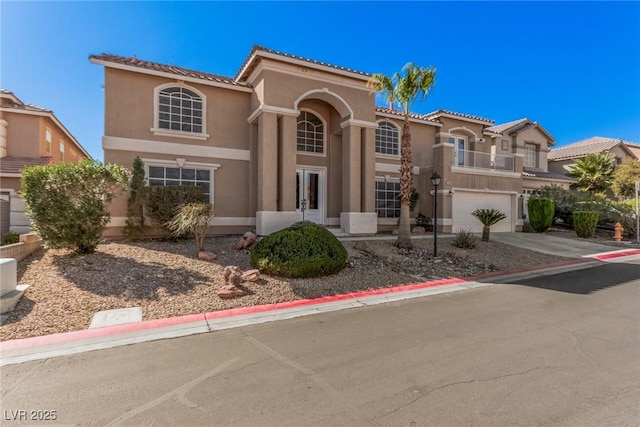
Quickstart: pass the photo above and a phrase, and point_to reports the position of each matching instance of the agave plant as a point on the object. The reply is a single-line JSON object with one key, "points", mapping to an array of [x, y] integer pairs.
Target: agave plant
{"points": [[488, 217]]}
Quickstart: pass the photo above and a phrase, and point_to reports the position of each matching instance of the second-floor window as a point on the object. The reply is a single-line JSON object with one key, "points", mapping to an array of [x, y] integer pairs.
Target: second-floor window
{"points": [[387, 139], [460, 150], [310, 131], [530, 156], [180, 109], [47, 140], [61, 151]]}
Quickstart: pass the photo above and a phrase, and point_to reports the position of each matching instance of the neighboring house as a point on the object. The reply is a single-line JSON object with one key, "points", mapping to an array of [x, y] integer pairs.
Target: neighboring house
{"points": [[29, 135], [290, 138], [561, 159]]}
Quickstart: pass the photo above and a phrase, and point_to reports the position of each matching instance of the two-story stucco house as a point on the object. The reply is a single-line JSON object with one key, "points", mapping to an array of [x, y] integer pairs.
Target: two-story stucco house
{"points": [[290, 138], [29, 135]]}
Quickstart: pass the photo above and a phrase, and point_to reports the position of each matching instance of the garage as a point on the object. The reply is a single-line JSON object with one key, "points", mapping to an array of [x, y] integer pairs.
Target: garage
{"points": [[465, 202]]}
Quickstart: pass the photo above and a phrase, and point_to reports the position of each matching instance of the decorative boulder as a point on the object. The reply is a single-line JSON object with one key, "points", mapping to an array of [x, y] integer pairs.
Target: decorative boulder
{"points": [[207, 256], [233, 274], [251, 275], [248, 240], [230, 291]]}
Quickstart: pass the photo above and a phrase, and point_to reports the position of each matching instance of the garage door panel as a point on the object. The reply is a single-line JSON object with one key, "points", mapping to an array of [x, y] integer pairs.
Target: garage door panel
{"points": [[466, 202]]}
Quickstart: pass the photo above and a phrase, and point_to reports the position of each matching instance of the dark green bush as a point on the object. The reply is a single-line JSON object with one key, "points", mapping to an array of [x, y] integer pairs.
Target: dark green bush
{"points": [[134, 225], [10, 238], [585, 223], [541, 213], [564, 201], [162, 203], [68, 202], [465, 239], [302, 250]]}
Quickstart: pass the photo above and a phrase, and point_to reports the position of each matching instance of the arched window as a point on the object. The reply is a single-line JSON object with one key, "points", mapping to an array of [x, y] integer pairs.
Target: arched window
{"points": [[387, 139], [310, 133], [180, 109]]}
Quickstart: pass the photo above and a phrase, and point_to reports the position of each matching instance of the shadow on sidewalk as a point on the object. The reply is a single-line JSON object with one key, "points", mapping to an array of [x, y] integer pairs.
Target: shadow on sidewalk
{"points": [[586, 281]]}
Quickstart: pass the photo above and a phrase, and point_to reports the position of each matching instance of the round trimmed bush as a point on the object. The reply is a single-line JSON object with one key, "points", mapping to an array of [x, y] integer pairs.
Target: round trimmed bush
{"points": [[302, 250]]}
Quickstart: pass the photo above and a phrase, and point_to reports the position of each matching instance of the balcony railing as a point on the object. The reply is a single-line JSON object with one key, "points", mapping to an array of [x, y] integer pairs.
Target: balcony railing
{"points": [[486, 161]]}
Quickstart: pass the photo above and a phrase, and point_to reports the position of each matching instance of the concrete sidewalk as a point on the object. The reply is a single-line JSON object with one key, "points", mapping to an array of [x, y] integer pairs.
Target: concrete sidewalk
{"points": [[566, 248], [36, 348]]}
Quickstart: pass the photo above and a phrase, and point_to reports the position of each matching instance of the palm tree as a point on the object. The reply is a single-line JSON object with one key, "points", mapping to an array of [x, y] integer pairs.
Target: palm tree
{"points": [[488, 217], [594, 172], [404, 88]]}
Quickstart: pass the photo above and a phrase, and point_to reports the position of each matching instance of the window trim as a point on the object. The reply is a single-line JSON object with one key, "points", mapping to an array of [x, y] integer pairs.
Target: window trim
{"points": [[156, 130], [182, 163], [324, 134], [61, 147], [465, 145], [389, 156]]}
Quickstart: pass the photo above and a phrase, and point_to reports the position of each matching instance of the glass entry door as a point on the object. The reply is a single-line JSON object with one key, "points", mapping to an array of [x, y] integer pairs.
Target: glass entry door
{"points": [[309, 192]]}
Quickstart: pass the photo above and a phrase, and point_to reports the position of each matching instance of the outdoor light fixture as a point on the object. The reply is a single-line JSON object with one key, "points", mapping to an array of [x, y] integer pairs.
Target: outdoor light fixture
{"points": [[435, 180]]}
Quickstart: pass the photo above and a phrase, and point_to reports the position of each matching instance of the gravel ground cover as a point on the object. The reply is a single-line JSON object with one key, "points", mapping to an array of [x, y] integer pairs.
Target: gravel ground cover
{"points": [[166, 279]]}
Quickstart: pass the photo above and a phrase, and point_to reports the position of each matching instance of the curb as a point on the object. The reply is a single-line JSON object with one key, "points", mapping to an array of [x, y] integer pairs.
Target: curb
{"points": [[34, 348]]}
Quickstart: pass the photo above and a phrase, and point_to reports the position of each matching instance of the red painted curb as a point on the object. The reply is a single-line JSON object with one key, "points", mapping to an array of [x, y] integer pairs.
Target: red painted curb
{"points": [[624, 253], [190, 318]]}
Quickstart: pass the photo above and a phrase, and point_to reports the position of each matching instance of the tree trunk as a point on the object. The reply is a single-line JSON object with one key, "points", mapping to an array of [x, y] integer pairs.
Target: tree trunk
{"points": [[485, 233], [404, 229]]}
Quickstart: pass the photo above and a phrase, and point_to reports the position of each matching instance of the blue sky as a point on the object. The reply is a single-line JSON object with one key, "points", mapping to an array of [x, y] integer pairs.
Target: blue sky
{"points": [[573, 67]]}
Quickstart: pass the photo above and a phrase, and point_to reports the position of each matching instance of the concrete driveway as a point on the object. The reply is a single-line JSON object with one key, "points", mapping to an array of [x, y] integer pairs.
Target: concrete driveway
{"points": [[568, 248]]}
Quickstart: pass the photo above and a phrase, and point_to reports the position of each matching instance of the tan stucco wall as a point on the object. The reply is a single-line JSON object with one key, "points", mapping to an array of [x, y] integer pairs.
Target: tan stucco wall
{"points": [[23, 133], [129, 111], [534, 136], [10, 183]]}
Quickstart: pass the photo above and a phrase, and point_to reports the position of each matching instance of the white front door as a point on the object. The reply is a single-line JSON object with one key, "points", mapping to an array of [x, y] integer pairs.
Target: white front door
{"points": [[309, 194]]}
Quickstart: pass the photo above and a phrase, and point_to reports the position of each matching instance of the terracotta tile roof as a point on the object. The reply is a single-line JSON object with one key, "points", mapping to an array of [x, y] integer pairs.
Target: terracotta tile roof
{"points": [[400, 114], [16, 164], [10, 100], [166, 68], [437, 113], [243, 73], [506, 126], [595, 144], [546, 175]]}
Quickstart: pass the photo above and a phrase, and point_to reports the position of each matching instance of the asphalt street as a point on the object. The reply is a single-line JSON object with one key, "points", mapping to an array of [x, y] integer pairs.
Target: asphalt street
{"points": [[559, 350]]}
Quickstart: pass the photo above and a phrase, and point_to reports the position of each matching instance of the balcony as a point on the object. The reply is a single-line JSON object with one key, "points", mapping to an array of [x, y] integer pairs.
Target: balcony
{"points": [[484, 161]]}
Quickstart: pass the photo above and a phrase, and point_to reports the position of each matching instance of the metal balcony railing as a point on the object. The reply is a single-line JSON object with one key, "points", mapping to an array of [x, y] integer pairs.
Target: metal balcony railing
{"points": [[480, 160]]}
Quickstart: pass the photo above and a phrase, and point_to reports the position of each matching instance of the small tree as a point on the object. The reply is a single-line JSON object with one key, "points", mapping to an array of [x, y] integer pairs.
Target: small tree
{"points": [[192, 218], [594, 172], [134, 226], [68, 202], [488, 217], [625, 178], [564, 201], [161, 203], [541, 212]]}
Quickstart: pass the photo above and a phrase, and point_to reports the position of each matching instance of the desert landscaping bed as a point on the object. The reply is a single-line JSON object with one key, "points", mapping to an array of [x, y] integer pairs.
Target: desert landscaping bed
{"points": [[166, 279]]}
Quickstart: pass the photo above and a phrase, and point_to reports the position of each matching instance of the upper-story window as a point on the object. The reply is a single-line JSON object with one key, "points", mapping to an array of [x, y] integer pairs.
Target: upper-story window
{"points": [[387, 139], [530, 156], [460, 150], [310, 133], [61, 151], [47, 140], [180, 109]]}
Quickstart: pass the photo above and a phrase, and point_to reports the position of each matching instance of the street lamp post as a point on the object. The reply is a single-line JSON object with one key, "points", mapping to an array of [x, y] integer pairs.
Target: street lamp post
{"points": [[435, 180]]}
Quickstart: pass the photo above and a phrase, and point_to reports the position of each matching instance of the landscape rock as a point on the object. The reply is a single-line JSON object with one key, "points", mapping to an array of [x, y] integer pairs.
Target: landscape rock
{"points": [[233, 274], [362, 246], [248, 240], [251, 275], [207, 256], [230, 291]]}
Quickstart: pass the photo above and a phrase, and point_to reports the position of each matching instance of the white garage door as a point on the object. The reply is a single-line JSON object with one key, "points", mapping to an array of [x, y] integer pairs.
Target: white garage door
{"points": [[466, 202]]}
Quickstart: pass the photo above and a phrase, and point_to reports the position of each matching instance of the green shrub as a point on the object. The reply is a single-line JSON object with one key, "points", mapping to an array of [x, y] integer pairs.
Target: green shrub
{"points": [[192, 218], [424, 221], [541, 213], [585, 223], [627, 216], [10, 237], [68, 202], [465, 239], [162, 203], [134, 225], [304, 249], [564, 201]]}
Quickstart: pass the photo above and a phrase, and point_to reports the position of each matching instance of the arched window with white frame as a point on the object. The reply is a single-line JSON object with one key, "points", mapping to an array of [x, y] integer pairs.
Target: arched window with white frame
{"points": [[310, 133], [180, 109], [387, 139]]}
